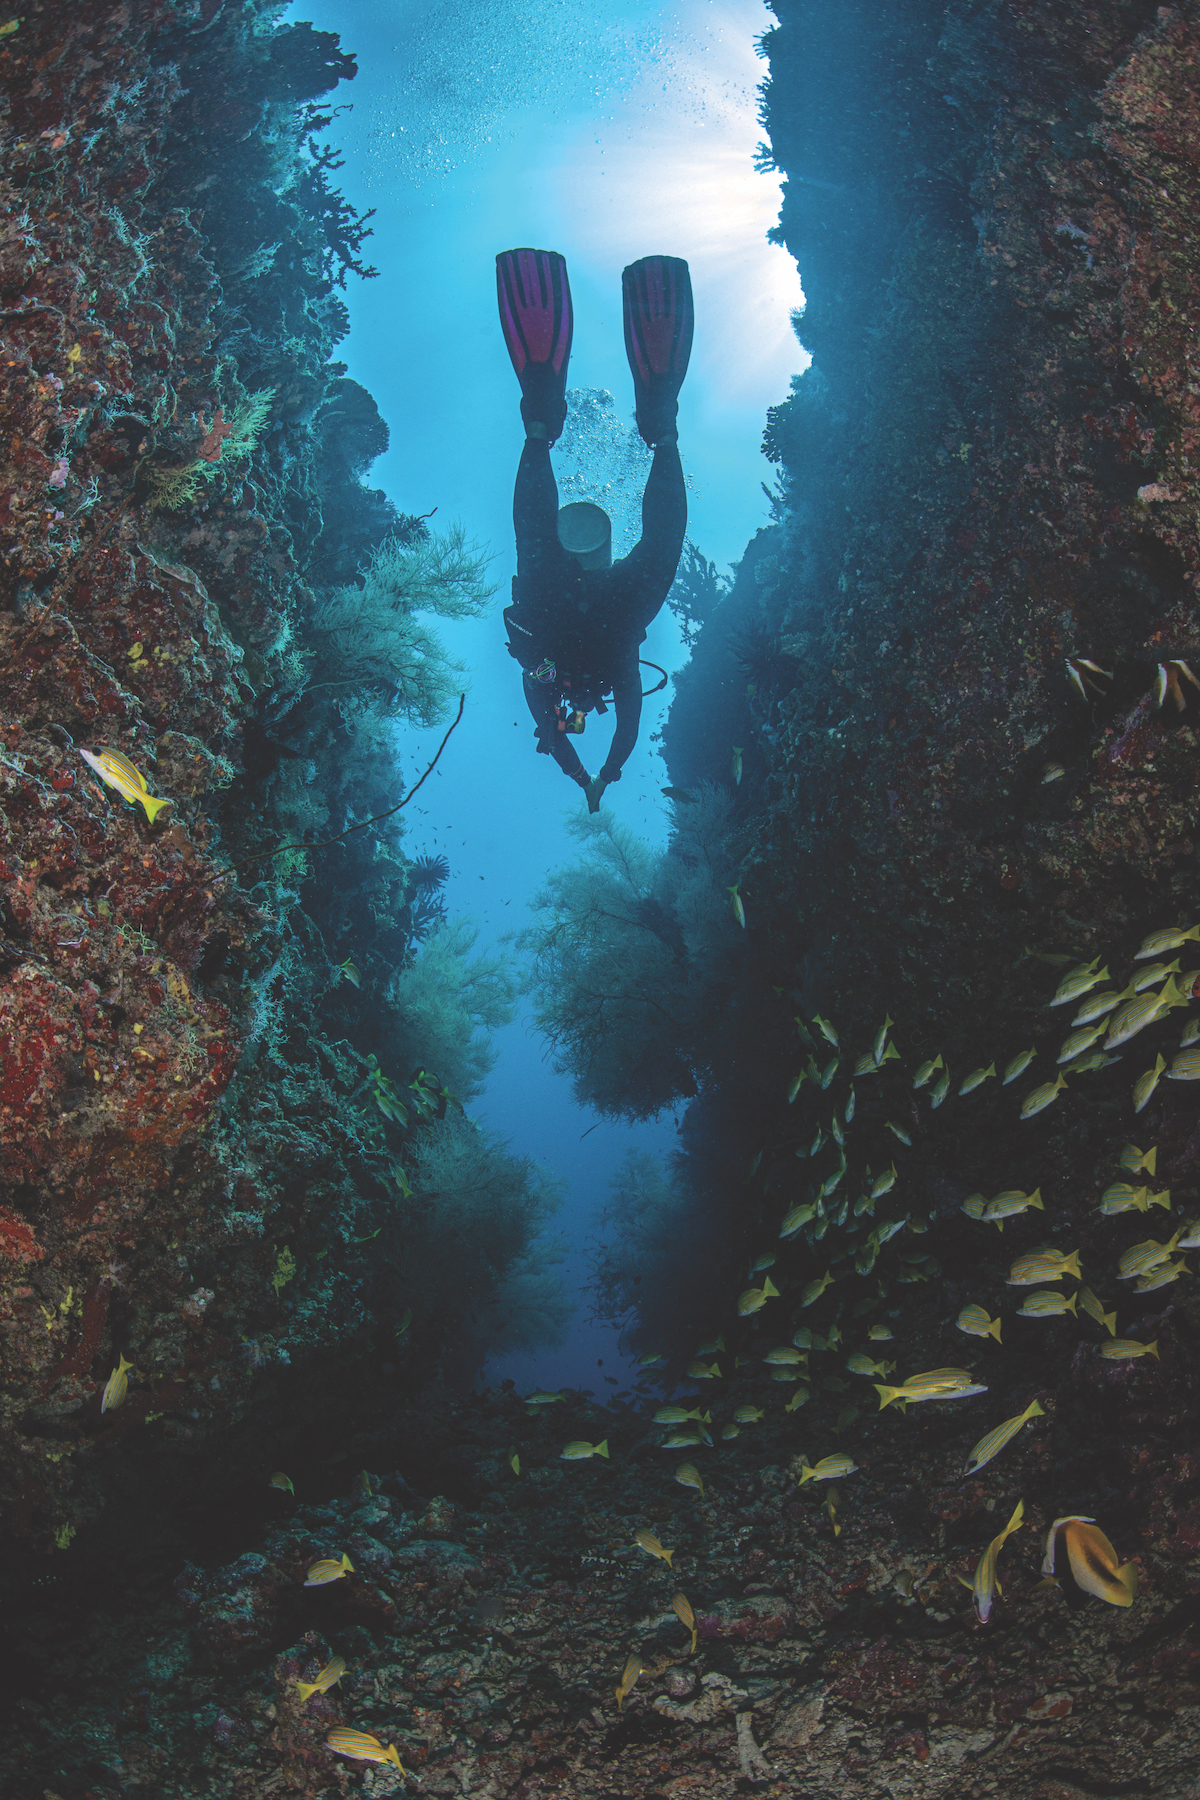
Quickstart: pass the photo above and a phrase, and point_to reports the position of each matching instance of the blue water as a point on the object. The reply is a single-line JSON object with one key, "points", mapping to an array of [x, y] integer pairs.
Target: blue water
{"points": [[608, 138]]}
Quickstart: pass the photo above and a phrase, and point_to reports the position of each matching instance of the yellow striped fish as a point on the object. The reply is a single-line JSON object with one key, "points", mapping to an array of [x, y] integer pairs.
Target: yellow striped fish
{"points": [[629, 1674], [1145, 1256], [830, 1468], [1046, 1304], [1133, 1159], [331, 1673], [116, 771], [993, 1442], [1042, 1265], [686, 1617], [1160, 941], [986, 1584], [1121, 1349], [1092, 1306], [578, 1450], [116, 1387], [1078, 982], [646, 1540], [974, 1321], [327, 1569], [1161, 1275], [753, 1299], [362, 1747], [280, 1480], [688, 1475], [1145, 1085]]}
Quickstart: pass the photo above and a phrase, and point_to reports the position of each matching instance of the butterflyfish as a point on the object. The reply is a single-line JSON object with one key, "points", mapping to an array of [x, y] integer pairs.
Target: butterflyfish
{"points": [[327, 1569], [993, 1441], [362, 1746], [1091, 1560], [116, 1387], [331, 1673], [578, 1450], [116, 771], [646, 1540]]}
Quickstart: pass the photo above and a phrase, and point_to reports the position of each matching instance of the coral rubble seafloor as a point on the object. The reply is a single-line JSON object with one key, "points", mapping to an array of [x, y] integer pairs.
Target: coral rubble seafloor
{"points": [[942, 664]]}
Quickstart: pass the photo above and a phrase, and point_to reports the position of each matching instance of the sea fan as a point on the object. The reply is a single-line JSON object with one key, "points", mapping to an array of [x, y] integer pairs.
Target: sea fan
{"points": [[428, 871], [427, 913]]}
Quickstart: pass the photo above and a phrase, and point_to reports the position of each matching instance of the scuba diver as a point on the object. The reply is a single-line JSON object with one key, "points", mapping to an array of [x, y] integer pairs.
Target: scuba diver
{"points": [[577, 618]]}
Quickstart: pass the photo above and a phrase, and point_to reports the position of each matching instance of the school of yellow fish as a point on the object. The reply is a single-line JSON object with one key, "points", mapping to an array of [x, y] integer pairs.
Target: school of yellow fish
{"points": [[1076, 1551]]}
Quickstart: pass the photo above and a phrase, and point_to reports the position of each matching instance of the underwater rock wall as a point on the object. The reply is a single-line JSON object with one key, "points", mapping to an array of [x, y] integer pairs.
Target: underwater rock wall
{"points": [[990, 472], [169, 278]]}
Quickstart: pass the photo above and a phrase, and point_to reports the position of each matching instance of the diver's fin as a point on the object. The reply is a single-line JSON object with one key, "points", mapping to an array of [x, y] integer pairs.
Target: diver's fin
{"points": [[536, 317], [657, 293]]}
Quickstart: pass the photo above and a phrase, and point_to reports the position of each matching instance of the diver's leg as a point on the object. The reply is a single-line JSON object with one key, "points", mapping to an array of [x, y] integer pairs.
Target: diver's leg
{"points": [[655, 557], [535, 513]]}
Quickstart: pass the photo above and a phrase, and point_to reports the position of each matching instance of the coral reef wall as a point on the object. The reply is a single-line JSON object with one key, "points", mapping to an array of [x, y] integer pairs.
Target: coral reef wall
{"points": [[206, 1104]]}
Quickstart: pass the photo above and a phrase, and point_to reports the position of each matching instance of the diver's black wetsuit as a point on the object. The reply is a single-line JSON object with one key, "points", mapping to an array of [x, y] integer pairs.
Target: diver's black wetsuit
{"points": [[589, 622]]}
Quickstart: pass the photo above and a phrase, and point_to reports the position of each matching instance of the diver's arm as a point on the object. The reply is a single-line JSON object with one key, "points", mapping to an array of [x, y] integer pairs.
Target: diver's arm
{"points": [[550, 739], [627, 705]]}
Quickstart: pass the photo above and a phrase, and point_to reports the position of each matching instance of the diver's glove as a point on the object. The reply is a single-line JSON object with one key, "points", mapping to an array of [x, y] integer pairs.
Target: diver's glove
{"points": [[595, 792]]}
